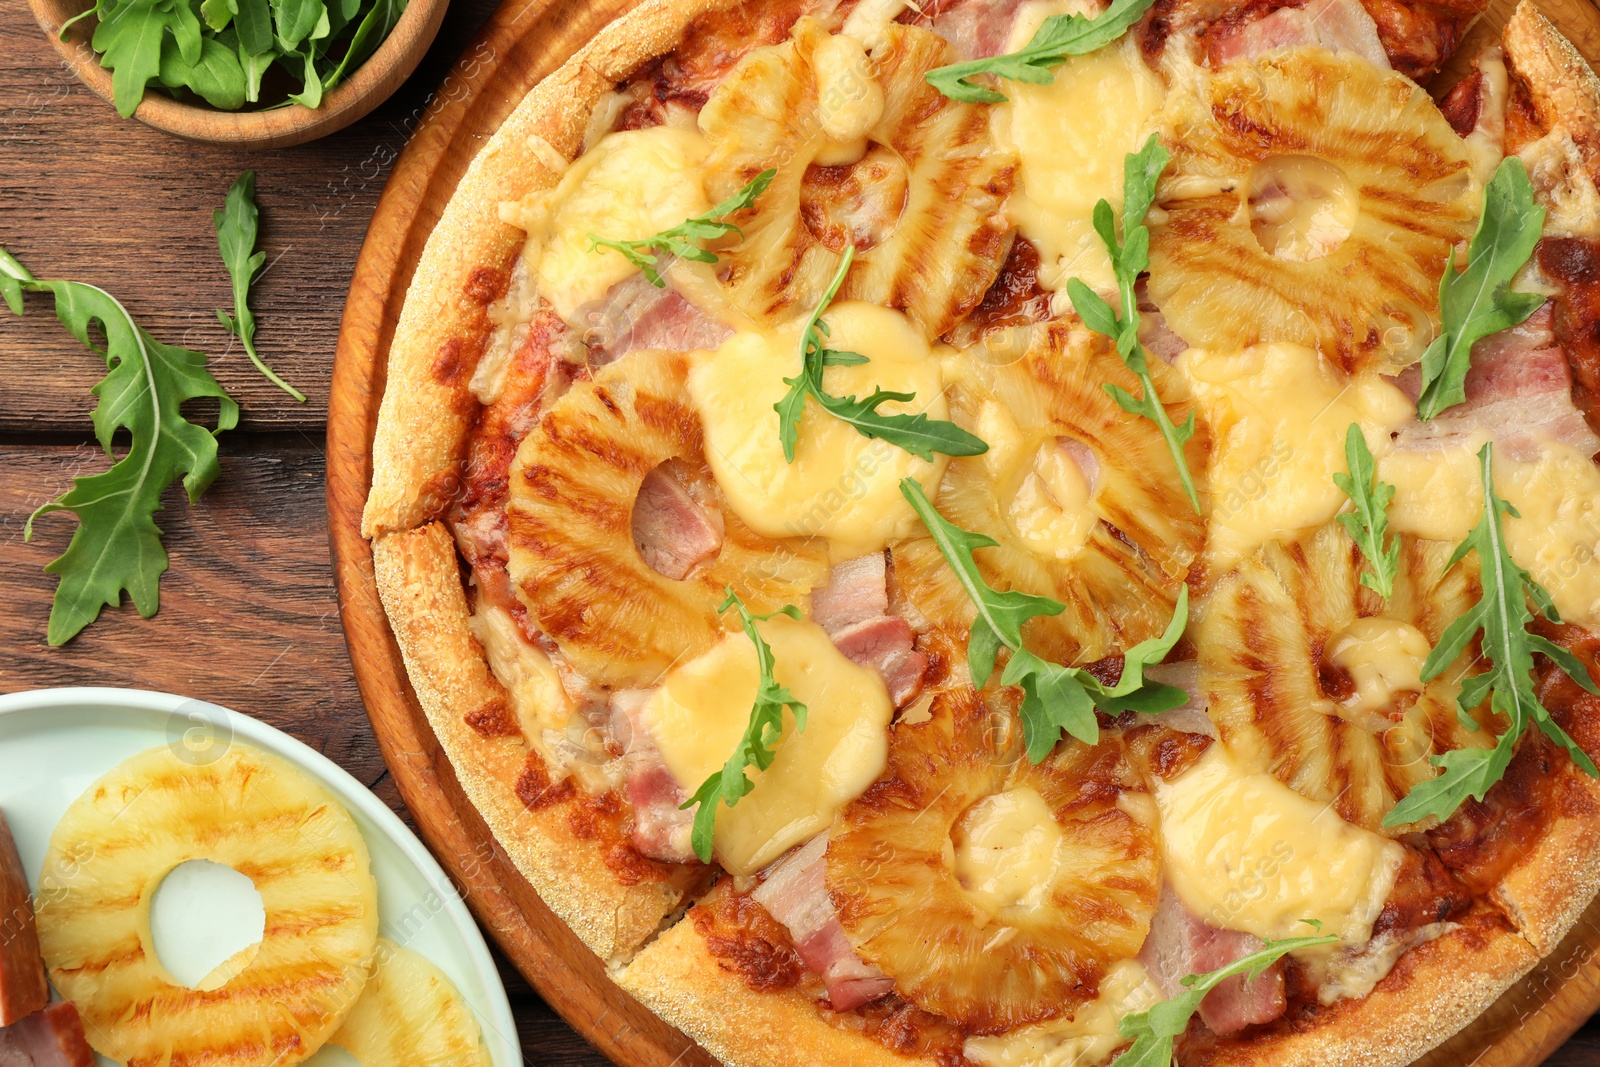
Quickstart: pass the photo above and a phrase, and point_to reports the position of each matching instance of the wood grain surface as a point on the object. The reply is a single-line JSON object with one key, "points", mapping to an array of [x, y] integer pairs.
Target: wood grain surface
{"points": [[249, 613]]}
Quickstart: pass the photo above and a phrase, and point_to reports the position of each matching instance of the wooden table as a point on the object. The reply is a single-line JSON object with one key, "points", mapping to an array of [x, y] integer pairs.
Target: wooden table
{"points": [[249, 618]]}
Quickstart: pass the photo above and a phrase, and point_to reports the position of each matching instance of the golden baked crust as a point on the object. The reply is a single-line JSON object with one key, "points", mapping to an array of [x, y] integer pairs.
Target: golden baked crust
{"points": [[1436, 989], [1562, 87], [420, 584]]}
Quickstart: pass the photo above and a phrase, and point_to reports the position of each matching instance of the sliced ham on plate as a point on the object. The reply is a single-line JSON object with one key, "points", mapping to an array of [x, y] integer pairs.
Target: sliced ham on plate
{"points": [[22, 984], [673, 531], [1519, 392], [1181, 944], [50, 1038], [795, 893], [660, 828], [634, 314], [1338, 25], [854, 608]]}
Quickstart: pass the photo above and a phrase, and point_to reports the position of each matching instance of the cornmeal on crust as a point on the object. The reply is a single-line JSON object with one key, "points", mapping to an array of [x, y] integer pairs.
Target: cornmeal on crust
{"points": [[419, 581], [756, 995]]}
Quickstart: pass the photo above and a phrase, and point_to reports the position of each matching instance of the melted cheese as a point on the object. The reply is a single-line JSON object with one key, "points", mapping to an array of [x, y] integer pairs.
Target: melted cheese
{"points": [[1245, 852], [1278, 415], [1383, 657], [1086, 1040], [1439, 495], [841, 486], [1044, 492], [1070, 137], [699, 714], [849, 98], [632, 184], [1007, 851]]}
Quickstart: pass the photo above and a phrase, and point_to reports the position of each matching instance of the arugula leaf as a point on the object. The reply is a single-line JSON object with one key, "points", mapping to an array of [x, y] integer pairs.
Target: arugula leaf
{"points": [[757, 746], [683, 240], [237, 222], [215, 75], [1502, 614], [253, 20], [914, 432], [1478, 301], [295, 20], [1059, 37], [1054, 698], [372, 31], [1154, 1031], [1140, 171], [1369, 523], [129, 41], [117, 545]]}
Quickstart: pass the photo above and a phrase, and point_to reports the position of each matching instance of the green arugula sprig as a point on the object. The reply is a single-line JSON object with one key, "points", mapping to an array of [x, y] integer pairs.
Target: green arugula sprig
{"points": [[683, 240], [1129, 258], [757, 747], [916, 433], [1502, 614], [1059, 37], [117, 545], [221, 49], [1054, 698], [237, 222], [1478, 301], [1368, 525], [1154, 1031]]}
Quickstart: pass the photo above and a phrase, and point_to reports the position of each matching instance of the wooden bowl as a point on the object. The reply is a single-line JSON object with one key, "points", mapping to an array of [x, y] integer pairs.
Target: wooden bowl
{"points": [[367, 87]]}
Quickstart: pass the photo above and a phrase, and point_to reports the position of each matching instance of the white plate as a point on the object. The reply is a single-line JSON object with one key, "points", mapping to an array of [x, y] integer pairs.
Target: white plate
{"points": [[54, 743]]}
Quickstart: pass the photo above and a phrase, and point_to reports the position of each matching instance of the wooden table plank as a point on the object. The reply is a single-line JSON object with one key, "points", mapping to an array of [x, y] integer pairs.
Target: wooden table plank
{"points": [[87, 195], [249, 615]]}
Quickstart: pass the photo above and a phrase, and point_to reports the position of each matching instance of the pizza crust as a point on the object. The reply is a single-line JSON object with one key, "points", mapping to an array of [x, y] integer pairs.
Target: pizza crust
{"points": [[676, 977], [419, 582], [1563, 87], [428, 408]]}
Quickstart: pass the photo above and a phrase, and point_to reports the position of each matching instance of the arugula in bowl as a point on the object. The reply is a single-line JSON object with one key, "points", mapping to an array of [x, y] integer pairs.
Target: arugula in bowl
{"points": [[221, 50]]}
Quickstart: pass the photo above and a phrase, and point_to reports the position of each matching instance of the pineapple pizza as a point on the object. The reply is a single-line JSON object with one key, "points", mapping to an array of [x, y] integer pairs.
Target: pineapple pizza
{"points": [[1023, 533]]}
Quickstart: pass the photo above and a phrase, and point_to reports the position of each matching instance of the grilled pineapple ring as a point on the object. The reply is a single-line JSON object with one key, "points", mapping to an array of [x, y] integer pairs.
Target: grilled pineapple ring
{"points": [[1028, 933], [1115, 557], [1270, 657], [572, 554], [1349, 172], [411, 1014], [249, 811], [948, 240]]}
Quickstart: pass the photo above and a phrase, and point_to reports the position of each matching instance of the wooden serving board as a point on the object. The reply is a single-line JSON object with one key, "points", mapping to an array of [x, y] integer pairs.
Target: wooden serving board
{"points": [[522, 42]]}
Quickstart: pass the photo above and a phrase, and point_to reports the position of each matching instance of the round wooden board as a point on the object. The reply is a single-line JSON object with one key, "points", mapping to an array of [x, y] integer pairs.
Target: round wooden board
{"points": [[524, 41]]}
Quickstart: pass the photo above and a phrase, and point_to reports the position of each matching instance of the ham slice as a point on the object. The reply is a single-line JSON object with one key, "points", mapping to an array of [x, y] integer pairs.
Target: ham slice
{"points": [[1154, 333], [22, 984], [795, 893], [660, 828], [853, 607], [49, 1038], [672, 531], [1338, 25], [635, 314], [976, 29], [1181, 944], [1519, 392]]}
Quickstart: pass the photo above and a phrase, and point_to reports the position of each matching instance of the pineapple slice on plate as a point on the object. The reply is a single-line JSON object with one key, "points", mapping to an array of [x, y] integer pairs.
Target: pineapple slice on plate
{"points": [[867, 153], [410, 1015], [1082, 497], [571, 544], [1311, 198], [246, 810], [1313, 678], [994, 892]]}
